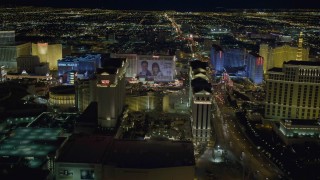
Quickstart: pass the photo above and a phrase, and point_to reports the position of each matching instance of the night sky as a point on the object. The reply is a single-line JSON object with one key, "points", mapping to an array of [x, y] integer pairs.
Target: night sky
{"points": [[181, 5]]}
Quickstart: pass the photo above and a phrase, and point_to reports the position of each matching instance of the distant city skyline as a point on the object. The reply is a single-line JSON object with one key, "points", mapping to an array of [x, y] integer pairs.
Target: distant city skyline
{"points": [[180, 5]]}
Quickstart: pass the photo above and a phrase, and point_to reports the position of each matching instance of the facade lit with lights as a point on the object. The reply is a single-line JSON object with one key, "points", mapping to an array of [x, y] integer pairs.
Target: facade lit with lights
{"points": [[200, 97], [228, 59], [62, 96], [110, 91], [217, 58], [107, 88], [299, 50], [293, 91], [48, 53], [142, 103], [297, 131], [300, 128], [276, 56], [84, 67], [235, 58], [254, 68]]}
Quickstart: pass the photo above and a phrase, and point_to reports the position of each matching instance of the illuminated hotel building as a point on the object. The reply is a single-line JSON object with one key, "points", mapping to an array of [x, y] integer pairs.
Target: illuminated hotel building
{"points": [[83, 67], [228, 58], [9, 54], [217, 57], [234, 57], [297, 128], [254, 68], [293, 91], [200, 96], [62, 96], [48, 53], [107, 88], [143, 103], [276, 56], [110, 91]]}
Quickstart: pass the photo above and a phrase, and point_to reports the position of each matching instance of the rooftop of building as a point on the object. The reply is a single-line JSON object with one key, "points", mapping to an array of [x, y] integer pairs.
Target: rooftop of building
{"points": [[111, 65], [198, 64], [275, 69], [302, 63], [217, 47], [112, 62], [145, 154], [199, 84], [255, 54], [303, 122], [85, 149], [70, 89], [108, 70], [151, 154]]}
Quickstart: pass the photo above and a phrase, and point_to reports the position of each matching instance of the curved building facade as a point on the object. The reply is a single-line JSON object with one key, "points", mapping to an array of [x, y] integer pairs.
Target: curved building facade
{"points": [[62, 96]]}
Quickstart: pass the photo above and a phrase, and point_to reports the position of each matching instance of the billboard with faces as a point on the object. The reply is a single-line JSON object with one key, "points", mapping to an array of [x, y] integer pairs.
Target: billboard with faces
{"points": [[155, 70]]}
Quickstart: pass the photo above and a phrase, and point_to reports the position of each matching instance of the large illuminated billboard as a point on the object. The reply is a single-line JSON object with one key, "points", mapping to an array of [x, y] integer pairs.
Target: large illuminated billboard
{"points": [[155, 70]]}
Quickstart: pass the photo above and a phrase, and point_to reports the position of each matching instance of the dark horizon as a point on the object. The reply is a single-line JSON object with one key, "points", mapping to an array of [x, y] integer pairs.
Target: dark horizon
{"points": [[179, 5]]}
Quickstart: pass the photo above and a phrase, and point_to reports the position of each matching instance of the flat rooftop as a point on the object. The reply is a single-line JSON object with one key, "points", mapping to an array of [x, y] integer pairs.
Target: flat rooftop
{"points": [[85, 149], [198, 64], [275, 69], [70, 89], [145, 154], [303, 63], [151, 154]]}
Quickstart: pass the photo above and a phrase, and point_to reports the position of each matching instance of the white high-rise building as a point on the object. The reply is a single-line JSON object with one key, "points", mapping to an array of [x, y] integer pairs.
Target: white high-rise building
{"points": [[200, 97], [293, 91], [110, 92]]}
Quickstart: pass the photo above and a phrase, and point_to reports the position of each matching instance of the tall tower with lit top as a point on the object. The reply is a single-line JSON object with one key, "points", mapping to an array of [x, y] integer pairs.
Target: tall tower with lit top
{"points": [[299, 51]]}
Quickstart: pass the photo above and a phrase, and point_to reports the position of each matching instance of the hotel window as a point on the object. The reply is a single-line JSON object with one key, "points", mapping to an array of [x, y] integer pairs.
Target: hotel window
{"points": [[273, 110]]}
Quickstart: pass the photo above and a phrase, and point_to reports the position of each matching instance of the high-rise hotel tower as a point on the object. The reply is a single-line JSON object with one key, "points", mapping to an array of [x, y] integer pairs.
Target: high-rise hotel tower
{"points": [[293, 91], [201, 101]]}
